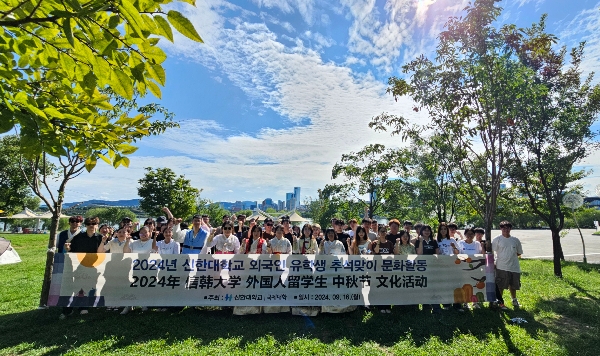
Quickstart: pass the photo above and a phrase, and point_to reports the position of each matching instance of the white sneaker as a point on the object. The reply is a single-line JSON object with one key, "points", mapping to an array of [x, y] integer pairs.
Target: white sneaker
{"points": [[83, 312], [515, 303], [125, 310]]}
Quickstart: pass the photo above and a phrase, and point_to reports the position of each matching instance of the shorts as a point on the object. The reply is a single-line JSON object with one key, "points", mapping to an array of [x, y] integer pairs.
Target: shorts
{"points": [[506, 279]]}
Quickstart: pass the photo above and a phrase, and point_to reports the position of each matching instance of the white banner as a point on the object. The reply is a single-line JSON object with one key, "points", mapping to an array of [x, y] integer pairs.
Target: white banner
{"points": [[130, 279]]}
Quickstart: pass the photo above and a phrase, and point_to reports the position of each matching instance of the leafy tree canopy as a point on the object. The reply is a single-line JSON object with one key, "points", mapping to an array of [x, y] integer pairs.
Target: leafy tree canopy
{"points": [[57, 58], [161, 187]]}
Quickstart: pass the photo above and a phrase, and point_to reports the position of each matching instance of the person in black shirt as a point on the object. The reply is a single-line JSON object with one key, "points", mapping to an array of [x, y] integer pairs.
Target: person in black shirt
{"points": [[84, 242], [426, 244], [288, 233], [394, 235], [240, 230], [341, 235]]}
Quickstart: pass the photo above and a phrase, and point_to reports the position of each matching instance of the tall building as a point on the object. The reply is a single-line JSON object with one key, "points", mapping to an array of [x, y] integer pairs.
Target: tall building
{"points": [[280, 205], [297, 197]]}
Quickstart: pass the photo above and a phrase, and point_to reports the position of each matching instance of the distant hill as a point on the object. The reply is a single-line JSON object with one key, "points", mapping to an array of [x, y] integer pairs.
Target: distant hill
{"points": [[96, 202]]}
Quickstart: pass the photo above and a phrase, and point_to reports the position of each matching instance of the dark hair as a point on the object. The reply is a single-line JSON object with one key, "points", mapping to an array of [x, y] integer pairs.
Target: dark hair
{"points": [[359, 229], [150, 220], [426, 227], [226, 223], [103, 225], [402, 233], [439, 236], [278, 226], [204, 216], [309, 228], [91, 221], [196, 217], [225, 217], [183, 226], [332, 231], [407, 222], [339, 222], [470, 230], [452, 226], [285, 218], [418, 226], [268, 220], [479, 230], [255, 227], [77, 218], [505, 223]]}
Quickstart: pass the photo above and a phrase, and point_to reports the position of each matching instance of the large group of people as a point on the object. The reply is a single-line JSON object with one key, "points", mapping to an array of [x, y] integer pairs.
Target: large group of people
{"points": [[170, 235]]}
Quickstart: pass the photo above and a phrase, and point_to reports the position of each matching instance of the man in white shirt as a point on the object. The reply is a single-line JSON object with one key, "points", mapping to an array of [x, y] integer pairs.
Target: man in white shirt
{"points": [[507, 249]]}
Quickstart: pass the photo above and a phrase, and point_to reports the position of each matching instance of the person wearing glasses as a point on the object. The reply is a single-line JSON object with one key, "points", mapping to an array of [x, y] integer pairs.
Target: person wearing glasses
{"points": [[507, 250], [225, 243], [86, 241], [67, 235]]}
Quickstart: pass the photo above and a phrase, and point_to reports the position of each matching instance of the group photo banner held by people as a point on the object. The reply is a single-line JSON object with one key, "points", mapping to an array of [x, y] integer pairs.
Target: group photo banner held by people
{"points": [[95, 280]]}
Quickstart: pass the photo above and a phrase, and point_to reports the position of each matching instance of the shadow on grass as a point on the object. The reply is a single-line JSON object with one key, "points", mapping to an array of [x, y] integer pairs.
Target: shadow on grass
{"points": [[37, 329], [574, 320]]}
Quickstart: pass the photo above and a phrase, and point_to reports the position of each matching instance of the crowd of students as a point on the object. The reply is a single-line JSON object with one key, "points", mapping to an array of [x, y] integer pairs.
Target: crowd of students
{"points": [[170, 235]]}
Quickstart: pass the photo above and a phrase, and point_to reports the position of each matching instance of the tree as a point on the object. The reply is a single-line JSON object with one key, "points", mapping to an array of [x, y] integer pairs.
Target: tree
{"points": [[56, 58], [15, 194], [551, 127], [214, 211], [366, 172], [111, 215], [160, 187], [468, 94]]}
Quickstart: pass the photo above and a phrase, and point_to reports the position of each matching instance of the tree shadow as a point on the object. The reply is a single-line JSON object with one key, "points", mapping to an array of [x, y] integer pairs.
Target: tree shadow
{"points": [[205, 325]]}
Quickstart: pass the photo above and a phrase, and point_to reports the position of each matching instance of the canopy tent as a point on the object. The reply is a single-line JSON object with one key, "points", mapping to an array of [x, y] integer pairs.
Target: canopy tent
{"points": [[48, 215], [7, 253], [25, 214], [295, 217]]}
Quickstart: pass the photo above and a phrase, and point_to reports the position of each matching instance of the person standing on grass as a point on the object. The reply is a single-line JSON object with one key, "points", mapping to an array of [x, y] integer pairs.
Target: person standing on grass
{"points": [[67, 235], [426, 245], [507, 250], [86, 241], [383, 246]]}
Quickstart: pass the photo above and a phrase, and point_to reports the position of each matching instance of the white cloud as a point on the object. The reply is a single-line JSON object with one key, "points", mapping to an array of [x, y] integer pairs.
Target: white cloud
{"points": [[585, 27], [381, 36], [304, 7]]}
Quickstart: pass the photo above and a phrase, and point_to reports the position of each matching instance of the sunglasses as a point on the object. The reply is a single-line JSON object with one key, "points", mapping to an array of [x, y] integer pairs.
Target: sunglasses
{"points": [[227, 228], [90, 224], [506, 226]]}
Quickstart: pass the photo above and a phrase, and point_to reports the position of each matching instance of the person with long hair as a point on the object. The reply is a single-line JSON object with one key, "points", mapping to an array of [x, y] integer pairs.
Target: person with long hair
{"points": [[382, 246], [279, 244], [306, 244], [426, 244], [225, 243], [444, 240], [361, 243], [256, 244], [331, 245], [404, 246]]}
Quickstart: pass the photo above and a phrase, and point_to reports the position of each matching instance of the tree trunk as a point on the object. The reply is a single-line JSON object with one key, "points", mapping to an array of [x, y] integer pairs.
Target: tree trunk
{"points": [[50, 254], [558, 252]]}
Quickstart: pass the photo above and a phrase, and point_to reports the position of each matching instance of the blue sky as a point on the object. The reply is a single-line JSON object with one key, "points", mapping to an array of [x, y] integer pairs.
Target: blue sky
{"points": [[282, 88]]}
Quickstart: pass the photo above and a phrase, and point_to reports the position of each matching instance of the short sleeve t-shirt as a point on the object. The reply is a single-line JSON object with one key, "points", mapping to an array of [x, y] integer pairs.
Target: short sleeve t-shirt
{"points": [[429, 247], [385, 248], [446, 246], [139, 246], [114, 246], [171, 248], [469, 248], [506, 250]]}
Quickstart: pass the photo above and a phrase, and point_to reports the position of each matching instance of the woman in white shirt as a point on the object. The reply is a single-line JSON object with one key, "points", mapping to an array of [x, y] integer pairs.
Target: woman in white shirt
{"points": [[468, 246], [280, 245], [360, 244], [225, 243], [114, 245], [168, 246], [143, 245], [331, 245]]}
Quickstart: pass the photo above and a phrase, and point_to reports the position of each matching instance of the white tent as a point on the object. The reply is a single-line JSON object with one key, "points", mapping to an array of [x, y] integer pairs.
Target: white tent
{"points": [[48, 215], [7, 253]]}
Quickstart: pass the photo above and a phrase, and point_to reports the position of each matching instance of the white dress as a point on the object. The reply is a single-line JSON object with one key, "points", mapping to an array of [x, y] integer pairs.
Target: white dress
{"points": [[335, 247]]}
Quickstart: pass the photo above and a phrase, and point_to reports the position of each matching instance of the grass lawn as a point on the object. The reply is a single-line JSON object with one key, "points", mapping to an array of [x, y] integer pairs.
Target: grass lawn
{"points": [[563, 319]]}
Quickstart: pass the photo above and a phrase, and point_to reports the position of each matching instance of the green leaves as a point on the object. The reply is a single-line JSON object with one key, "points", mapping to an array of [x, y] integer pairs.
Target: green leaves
{"points": [[121, 84], [183, 25], [163, 27]]}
